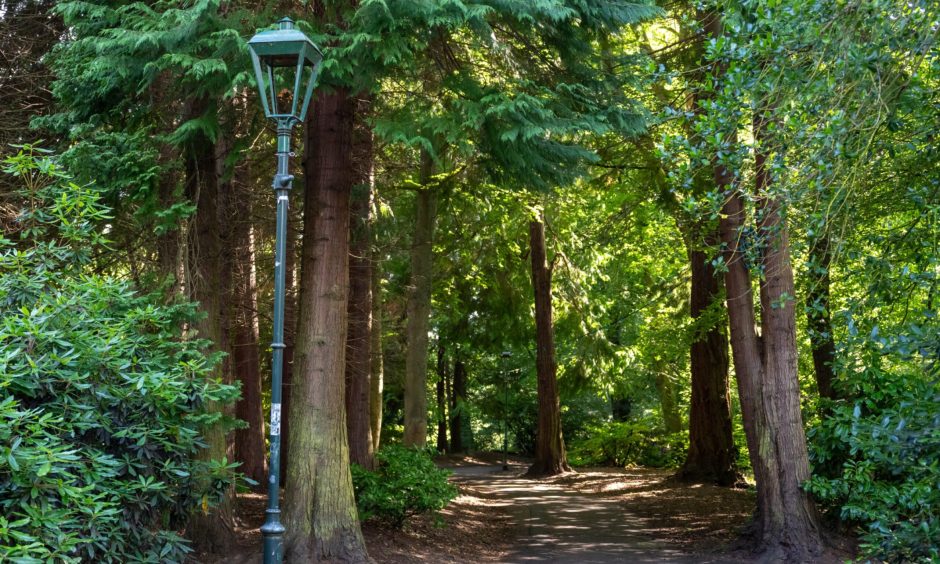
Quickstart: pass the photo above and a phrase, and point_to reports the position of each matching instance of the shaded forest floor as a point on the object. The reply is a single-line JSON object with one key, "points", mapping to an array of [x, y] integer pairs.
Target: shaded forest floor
{"points": [[596, 515]]}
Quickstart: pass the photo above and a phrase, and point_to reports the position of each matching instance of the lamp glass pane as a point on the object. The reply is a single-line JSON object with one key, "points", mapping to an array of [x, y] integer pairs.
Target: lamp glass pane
{"points": [[282, 90]]}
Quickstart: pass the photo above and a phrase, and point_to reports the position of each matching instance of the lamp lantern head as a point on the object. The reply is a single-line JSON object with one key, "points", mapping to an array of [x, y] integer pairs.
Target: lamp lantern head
{"points": [[286, 64]]}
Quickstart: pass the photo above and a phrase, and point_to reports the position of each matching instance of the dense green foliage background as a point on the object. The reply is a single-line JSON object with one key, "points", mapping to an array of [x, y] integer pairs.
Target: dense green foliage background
{"points": [[608, 118]]}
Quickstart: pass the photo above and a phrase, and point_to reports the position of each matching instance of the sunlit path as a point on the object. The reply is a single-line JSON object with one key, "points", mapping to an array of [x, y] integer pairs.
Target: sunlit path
{"points": [[558, 524]]}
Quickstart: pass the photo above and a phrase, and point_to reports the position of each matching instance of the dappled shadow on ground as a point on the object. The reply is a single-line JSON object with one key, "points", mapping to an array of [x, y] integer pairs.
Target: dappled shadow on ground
{"points": [[470, 529], [594, 516], [571, 519], [697, 518]]}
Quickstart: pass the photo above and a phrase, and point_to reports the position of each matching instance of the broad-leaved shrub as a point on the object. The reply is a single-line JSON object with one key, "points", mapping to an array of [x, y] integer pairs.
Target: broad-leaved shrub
{"points": [[877, 464], [618, 443], [102, 400], [406, 482]]}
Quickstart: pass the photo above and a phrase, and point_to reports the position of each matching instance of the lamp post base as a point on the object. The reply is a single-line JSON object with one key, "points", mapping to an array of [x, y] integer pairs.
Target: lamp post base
{"points": [[273, 533]]}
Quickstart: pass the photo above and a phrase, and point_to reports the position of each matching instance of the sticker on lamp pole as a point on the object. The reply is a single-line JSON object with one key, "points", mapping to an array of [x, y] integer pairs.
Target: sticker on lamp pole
{"points": [[275, 419]]}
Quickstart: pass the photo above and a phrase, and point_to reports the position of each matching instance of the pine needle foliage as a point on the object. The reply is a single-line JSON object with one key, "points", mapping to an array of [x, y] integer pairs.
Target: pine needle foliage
{"points": [[512, 87]]}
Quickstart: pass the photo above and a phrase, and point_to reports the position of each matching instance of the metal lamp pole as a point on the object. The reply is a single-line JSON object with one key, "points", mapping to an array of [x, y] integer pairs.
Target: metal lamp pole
{"points": [[506, 355], [272, 530], [274, 52]]}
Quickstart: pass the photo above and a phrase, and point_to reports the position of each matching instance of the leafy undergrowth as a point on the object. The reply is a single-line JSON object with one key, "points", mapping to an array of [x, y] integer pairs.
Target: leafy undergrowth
{"points": [[472, 531]]}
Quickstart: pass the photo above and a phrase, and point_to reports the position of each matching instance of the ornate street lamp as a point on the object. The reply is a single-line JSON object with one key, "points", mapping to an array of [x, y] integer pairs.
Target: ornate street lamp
{"points": [[286, 67]]}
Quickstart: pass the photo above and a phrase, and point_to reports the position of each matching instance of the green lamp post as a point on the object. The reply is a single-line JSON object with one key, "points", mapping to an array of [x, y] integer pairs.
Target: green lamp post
{"points": [[286, 66]]}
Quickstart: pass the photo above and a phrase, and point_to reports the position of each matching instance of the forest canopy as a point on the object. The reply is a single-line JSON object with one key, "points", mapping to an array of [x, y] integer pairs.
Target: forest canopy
{"points": [[702, 236]]}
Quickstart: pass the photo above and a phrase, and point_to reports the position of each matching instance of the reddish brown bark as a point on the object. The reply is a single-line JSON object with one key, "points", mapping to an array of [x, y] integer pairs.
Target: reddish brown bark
{"points": [[786, 525], [319, 510], [550, 457], [359, 336], [207, 270], [377, 376], [246, 354], [712, 455]]}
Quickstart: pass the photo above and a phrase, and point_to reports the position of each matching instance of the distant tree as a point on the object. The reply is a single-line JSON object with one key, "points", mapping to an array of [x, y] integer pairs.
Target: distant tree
{"points": [[550, 455]]}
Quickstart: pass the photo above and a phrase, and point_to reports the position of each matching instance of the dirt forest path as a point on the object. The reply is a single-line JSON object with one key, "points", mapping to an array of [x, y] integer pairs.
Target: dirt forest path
{"points": [[594, 516], [556, 522]]}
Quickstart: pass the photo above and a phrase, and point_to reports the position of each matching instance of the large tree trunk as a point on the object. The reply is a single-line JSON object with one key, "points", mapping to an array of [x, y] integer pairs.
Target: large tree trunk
{"points": [[419, 309], [291, 304], [711, 456], [246, 354], [320, 512], [376, 381], [790, 524], [359, 337], [818, 316], [207, 281], [786, 525], [550, 458]]}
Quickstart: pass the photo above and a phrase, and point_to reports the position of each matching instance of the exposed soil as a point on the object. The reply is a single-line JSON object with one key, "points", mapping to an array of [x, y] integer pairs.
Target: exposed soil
{"points": [[594, 515], [472, 530], [469, 529], [696, 518]]}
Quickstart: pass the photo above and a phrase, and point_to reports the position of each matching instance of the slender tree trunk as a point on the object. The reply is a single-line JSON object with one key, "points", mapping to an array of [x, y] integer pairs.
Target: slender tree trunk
{"points": [[790, 523], [359, 337], [668, 402], [448, 398], [459, 423], [786, 525], [818, 315], [246, 354], [169, 255], [550, 458], [419, 310], [376, 381], [169, 240], [208, 283], [441, 399], [320, 512], [711, 456]]}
